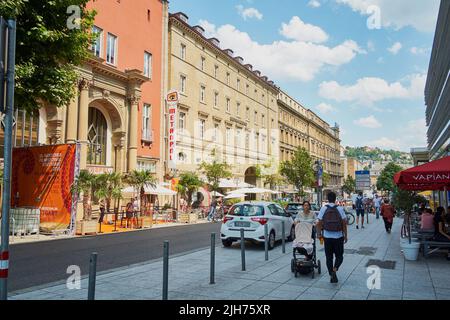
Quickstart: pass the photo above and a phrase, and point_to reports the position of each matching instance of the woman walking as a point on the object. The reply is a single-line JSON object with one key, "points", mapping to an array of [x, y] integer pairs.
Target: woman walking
{"points": [[388, 213]]}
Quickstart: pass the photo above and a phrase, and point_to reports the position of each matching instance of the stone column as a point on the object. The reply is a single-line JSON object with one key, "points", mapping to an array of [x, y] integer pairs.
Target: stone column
{"points": [[133, 133], [72, 119], [83, 115]]}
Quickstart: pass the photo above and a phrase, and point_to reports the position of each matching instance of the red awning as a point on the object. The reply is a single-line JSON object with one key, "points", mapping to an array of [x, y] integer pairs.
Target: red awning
{"points": [[433, 175]]}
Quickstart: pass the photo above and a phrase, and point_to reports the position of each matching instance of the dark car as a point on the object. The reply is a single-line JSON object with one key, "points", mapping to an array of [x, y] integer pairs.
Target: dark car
{"points": [[293, 208]]}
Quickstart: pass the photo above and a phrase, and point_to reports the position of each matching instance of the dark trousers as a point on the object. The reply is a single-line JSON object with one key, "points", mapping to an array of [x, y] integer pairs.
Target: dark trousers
{"points": [[334, 248], [387, 224]]}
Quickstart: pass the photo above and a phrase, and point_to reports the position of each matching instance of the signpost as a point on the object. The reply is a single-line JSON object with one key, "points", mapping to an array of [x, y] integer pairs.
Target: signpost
{"points": [[172, 104], [362, 180]]}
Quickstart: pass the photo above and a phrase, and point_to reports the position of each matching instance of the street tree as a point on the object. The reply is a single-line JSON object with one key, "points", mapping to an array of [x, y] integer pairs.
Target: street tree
{"points": [[50, 43], [84, 184], [108, 186], [139, 179], [349, 185], [188, 184], [214, 171], [299, 170], [385, 181], [269, 172]]}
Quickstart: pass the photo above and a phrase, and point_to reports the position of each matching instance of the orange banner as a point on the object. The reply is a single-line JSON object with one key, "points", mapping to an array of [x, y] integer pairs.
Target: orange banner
{"points": [[42, 178]]}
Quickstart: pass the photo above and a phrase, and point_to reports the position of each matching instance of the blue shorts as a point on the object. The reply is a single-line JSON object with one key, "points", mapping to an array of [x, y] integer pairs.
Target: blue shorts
{"points": [[360, 212]]}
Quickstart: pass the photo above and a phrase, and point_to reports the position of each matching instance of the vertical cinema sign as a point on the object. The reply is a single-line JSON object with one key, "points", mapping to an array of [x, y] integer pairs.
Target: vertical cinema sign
{"points": [[172, 103]]}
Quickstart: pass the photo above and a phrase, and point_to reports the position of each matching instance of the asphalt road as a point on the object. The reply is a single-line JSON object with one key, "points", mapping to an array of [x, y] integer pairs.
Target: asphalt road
{"points": [[33, 264]]}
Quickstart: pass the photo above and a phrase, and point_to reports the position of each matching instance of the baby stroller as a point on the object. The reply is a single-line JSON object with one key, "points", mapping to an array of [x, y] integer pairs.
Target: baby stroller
{"points": [[305, 262]]}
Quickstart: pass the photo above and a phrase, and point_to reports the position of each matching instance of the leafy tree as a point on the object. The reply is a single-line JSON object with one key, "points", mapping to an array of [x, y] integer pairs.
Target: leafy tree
{"points": [[325, 178], [349, 185], [299, 170], [108, 186], [215, 171], [84, 184], [139, 179], [405, 200], [385, 180], [270, 173], [47, 49], [188, 184]]}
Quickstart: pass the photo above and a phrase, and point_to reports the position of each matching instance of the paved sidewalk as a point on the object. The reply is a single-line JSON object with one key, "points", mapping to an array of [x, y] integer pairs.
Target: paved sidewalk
{"points": [[189, 275]]}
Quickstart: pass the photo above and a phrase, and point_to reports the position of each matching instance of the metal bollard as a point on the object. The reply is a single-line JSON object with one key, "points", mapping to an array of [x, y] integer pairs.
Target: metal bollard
{"points": [[213, 258], [266, 241], [92, 276], [243, 249], [283, 240], [165, 270]]}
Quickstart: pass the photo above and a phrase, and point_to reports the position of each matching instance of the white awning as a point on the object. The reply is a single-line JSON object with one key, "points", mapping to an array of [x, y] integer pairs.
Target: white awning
{"points": [[229, 183], [250, 190], [234, 196], [216, 194], [157, 190]]}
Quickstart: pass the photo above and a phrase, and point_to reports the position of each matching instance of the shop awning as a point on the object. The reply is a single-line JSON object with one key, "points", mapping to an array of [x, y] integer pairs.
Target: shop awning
{"points": [[433, 175], [251, 191], [157, 190], [228, 183]]}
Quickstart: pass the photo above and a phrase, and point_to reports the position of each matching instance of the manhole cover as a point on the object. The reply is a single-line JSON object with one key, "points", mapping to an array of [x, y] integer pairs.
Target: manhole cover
{"points": [[381, 264], [366, 251]]}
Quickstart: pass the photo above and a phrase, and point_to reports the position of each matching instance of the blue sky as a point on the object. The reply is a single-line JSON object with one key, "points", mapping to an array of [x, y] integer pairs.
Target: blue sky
{"points": [[360, 63]]}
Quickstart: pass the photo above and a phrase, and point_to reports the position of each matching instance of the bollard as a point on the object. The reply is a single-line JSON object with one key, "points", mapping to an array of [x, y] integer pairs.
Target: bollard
{"points": [[213, 258], [243, 249], [165, 270], [266, 241], [92, 276], [283, 240]]}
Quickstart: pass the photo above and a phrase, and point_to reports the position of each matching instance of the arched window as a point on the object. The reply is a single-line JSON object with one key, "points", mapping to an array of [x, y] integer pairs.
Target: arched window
{"points": [[97, 134]]}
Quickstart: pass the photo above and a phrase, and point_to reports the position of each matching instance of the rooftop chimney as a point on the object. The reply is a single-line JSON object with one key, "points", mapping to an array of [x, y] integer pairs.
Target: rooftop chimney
{"points": [[182, 16], [215, 42], [240, 60], [229, 52], [199, 29]]}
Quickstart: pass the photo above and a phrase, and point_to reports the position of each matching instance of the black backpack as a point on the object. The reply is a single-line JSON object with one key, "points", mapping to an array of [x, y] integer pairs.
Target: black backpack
{"points": [[359, 203], [332, 220]]}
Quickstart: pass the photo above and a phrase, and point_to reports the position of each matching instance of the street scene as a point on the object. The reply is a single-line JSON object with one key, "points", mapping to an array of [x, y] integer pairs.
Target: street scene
{"points": [[226, 151]]}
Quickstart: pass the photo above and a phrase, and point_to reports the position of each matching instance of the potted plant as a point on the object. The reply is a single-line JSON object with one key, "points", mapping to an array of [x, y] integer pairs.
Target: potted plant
{"points": [[188, 184], [139, 179], [83, 185], [108, 186]]}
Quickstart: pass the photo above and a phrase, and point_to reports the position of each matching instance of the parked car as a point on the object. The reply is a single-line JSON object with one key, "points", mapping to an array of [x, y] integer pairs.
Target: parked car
{"points": [[252, 216], [293, 208]]}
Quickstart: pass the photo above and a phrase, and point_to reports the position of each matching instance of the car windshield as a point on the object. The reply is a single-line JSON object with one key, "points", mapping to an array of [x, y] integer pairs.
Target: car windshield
{"points": [[294, 206], [247, 210]]}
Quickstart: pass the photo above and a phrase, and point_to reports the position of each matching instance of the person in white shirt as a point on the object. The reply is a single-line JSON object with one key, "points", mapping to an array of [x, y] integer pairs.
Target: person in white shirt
{"points": [[377, 203]]}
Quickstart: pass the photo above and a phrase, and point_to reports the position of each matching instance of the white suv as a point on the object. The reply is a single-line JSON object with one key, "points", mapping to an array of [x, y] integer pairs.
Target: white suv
{"points": [[252, 216]]}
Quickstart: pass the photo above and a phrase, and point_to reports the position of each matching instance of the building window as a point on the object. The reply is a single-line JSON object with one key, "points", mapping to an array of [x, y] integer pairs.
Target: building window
{"points": [[216, 132], [111, 49], [181, 157], [238, 109], [183, 52], [182, 120], [25, 130], [262, 98], [256, 117], [247, 114], [97, 46], [263, 120], [148, 64], [238, 137], [183, 84], [238, 85], [146, 123], [228, 137], [202, 123], [146, 166], [228, 78], [228, 105], [97, 137], [216, 71], [202, 93], [216, 99], [247, 89], [202, 63]]}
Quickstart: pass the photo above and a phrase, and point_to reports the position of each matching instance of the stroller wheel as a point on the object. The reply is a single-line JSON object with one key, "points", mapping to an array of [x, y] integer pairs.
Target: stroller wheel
{"points": [[296, 274], [292, 265], [319, 267], [313, 273]]}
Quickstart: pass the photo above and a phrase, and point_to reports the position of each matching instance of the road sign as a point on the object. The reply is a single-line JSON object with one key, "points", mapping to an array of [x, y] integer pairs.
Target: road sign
{"points": [[363, 180]]}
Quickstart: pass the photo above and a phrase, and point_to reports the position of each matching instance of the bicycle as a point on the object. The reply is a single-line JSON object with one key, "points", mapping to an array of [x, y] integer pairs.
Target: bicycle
{"points": [[350, 218], [218, 215]]}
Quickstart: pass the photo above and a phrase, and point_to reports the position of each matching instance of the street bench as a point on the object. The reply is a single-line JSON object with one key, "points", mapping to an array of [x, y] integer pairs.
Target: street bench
{"points": [[428, 244]]}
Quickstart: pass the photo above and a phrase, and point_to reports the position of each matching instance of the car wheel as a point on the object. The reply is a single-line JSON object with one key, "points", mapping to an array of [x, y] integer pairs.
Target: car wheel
{"points": [[271, 240], [292, 265], [227, 243], [292, 234]]}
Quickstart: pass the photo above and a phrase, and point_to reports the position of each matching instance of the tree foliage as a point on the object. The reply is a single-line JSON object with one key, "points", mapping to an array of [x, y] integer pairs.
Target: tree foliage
{"points": [[139, 179], [84, 184], [405, 200], [299, 170], [385, 180], [47, 49], [349, 185], [189, 183], [214, 171], [108, 186]]}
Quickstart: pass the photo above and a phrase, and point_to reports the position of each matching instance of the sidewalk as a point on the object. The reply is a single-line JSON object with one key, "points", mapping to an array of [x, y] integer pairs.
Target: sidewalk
{"points": [[189, 275]]}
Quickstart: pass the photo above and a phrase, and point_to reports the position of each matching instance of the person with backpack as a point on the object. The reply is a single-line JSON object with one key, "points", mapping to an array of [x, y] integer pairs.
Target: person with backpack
{"points": [[332, 227], [359, 204], [388, 214]]}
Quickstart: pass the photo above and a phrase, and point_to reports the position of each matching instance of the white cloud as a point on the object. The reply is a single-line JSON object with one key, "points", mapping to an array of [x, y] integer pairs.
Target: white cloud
{"points": [[369, 122], [249, 13], [287, 60], [419, 14], [386, 143], [369, 90], [419, 51], [395, 48], [370, 45], [325, 108], [314, 4], [297, 30]]}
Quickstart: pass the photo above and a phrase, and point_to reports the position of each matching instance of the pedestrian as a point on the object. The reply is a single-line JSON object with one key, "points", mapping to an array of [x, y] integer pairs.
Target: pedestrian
{"points": [[332, 227], [378, 202], [102, 210], [129, 212], [183, 205], [388, 213], [440, 230], [212, 209], [156, 204], [427, 220], [359, 205]]}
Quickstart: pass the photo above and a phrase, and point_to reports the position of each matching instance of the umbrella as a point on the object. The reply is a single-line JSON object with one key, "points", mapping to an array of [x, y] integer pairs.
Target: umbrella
{"points": [[216, 194], [250, 190], [234, 196], [157, 190]]}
